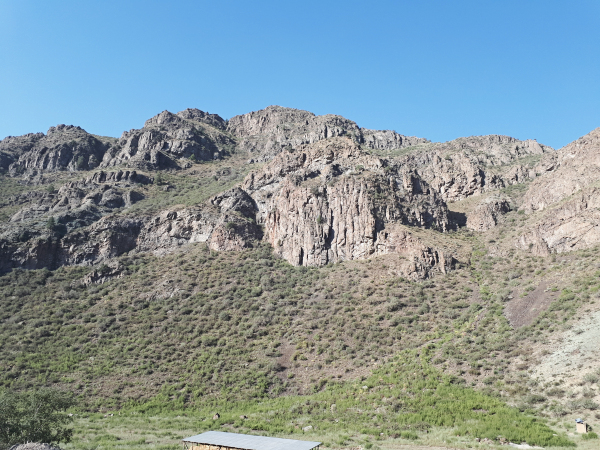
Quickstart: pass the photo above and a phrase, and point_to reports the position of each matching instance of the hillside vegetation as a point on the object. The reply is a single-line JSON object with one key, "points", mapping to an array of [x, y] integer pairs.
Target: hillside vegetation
{"points": [[378, 288]]}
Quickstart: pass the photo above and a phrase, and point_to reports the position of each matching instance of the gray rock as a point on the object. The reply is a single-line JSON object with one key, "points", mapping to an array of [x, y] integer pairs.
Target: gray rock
{"points": [[267, 132], [169, 140], [487, 213], [388, 139], [64, 147], [34, 446]]}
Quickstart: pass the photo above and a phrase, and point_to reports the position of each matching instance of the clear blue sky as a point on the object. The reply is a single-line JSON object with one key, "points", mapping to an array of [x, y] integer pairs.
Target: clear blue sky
{"points": [[436, 69]]}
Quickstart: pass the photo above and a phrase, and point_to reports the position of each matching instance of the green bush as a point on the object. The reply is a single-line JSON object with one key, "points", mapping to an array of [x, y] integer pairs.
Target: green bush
{"points": [[409, 435], [35, 416]]}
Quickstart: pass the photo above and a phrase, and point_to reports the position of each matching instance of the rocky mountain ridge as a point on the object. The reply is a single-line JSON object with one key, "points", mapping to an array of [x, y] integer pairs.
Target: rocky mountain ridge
{"points": [[326, 190]]}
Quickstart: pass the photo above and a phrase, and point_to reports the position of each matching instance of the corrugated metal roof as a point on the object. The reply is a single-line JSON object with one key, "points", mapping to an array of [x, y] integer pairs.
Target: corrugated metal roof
{"points": [[249, 442]]}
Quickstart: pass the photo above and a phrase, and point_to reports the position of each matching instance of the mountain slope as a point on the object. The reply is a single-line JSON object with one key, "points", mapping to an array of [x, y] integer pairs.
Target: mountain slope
{"points": [[278, 253]]}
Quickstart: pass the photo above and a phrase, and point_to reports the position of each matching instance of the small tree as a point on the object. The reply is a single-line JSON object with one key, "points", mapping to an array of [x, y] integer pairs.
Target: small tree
{"points": [[81, 163], [51, 224], [35, 416]]}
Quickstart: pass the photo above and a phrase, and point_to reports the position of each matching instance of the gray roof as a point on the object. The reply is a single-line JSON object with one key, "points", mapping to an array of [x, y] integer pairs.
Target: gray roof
{"points": [[249, 442]]}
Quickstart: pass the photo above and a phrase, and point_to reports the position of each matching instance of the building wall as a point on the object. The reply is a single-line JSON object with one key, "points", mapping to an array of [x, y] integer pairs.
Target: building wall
{"points": [[208, 447]]}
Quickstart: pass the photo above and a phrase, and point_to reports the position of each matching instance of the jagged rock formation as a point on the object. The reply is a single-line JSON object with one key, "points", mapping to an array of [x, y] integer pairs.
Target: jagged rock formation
{"points": [[267, 132], [572, 225], [471, 166], [329, 191], [80, 203], [568, 199], [170, 140], [487, 213], [323, 203], [388, 139], [221, 223], [64, 147], [573, 167], [330, 202]]}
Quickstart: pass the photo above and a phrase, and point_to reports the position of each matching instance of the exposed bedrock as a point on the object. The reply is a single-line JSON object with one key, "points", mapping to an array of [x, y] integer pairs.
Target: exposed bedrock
{"points": [[64, 147], [170, 140], [330, 202], [267, 132], [564, 203], [487, 214]]}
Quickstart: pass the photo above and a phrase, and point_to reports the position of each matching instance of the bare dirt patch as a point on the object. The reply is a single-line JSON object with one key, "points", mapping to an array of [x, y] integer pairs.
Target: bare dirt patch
{"points": [[575, 355], [522, 311]]}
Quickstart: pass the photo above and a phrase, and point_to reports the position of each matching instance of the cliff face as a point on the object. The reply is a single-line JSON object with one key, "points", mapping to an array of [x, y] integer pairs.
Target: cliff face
{"points": [[571, 225], [322, 203], [487, 214], [564, 203], [572, 168], [222, 225], [471, 166], [330, 202]]}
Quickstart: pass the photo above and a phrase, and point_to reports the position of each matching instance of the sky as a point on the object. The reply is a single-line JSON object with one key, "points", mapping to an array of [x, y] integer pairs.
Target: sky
{"points": [[436, 69]]}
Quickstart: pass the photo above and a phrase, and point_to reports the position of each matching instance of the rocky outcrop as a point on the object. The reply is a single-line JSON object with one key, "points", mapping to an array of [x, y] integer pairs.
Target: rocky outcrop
{"points": [[224, 223], [570, 225], [323, 203], [330, 191], [33, 446], [329, 202], [267, 132], [110, 270], [195, 115], [120, 176], [388, 139], [171, 140], [103, 240], [486, 214], [106, 238], [573, 167], [472, 166], [12, 147], [417, 260], [64, 147], [565, 199], [80, 203]]}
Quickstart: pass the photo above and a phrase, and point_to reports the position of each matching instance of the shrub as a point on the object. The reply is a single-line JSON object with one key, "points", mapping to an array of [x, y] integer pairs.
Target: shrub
{"points": [[81, 163], [591, 378], [589, 404], [51, 224], [409, 435], [35, 416]]}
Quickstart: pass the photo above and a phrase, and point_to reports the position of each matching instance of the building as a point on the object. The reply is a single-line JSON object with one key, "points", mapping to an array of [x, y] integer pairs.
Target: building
{"points": [[580, 426], [219, 440]]}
